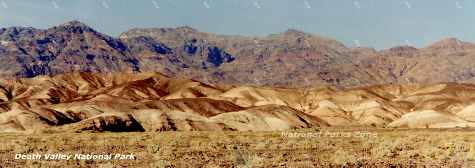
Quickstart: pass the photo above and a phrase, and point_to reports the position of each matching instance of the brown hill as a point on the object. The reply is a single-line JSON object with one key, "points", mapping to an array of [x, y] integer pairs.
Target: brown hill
{"points": [[133, 102], [79, 102]]}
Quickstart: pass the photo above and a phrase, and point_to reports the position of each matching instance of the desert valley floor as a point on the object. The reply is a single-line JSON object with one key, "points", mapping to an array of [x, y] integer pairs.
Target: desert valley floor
{"points": [[371, 148]]}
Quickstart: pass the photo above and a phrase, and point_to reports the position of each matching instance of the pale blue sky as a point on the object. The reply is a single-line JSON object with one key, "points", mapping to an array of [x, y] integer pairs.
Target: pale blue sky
{"points": [[373, 23]]}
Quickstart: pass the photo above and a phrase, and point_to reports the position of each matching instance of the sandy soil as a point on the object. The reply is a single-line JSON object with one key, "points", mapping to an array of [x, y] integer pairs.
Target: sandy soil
{"points": [[328, 147]]}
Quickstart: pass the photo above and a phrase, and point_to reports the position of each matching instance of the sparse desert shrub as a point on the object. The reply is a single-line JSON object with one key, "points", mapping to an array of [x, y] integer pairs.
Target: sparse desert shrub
{"points": [[252, 161], [343, 157]]}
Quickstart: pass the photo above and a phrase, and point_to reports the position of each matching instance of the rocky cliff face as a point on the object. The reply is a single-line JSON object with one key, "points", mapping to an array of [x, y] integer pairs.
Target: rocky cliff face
{"points": [[289, 59]]}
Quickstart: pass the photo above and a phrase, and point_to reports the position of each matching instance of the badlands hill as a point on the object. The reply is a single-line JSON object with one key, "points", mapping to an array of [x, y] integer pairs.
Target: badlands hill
{"points": [[79, 102], [288, 59], [134, 102]]}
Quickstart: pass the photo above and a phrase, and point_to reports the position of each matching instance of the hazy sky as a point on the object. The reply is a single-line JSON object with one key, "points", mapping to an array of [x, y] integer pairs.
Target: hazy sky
{"points": [[374, 23]]}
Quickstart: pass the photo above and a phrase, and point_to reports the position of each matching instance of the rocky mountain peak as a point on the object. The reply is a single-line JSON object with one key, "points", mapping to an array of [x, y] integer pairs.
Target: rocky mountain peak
{"points": [[186, 29], [294, 32], [74, 27], [404, 50], [74, 23], [451, 43]]}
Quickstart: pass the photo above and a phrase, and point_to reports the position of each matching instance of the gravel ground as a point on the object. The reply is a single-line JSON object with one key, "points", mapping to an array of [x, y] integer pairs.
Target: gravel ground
{"points": [[329, 147]]}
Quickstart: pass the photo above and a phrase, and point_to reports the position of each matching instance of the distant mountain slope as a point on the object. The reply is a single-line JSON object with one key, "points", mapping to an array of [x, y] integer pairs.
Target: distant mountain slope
{"points": [[284, 59], [73, 46], [288, 59], [448, 60]]}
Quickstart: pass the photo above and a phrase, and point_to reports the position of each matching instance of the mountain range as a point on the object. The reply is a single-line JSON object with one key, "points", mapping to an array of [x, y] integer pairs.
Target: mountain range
{"points": [[290, 59]]}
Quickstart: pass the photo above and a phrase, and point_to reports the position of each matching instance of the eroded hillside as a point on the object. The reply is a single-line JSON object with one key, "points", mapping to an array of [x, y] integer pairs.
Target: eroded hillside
{"points": [[154, 102]]}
